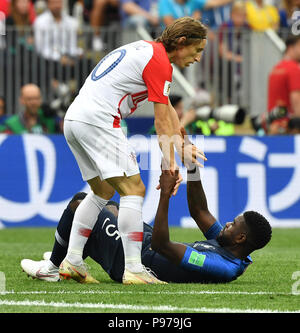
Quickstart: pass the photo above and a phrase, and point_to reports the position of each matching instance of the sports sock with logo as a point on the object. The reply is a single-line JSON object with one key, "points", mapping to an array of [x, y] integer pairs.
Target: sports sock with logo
{"points": [[130, 225]]}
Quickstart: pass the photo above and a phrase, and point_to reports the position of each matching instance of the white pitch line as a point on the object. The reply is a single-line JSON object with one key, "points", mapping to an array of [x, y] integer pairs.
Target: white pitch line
{"points": [[95, 292], [136, 307]]}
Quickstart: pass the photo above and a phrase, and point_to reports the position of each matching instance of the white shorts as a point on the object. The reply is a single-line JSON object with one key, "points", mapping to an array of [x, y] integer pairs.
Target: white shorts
{"points": [[100, 151]]}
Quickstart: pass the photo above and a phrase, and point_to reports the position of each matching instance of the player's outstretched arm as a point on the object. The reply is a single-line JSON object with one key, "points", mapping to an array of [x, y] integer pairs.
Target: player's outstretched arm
{"points": [[161, 242], [197, 200], [195, 194]]}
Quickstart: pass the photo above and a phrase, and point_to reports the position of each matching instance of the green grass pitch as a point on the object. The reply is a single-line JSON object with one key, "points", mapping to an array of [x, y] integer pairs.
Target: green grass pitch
{"points": [[270, 284]]}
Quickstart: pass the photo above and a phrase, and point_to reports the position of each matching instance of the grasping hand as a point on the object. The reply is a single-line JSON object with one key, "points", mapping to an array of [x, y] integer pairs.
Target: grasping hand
{"points": [[190, 152], [169, 183], [172, 173]]}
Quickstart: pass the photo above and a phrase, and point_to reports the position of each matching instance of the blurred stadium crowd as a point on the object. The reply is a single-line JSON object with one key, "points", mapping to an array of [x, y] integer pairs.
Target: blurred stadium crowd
{"points": [[48, 47]]}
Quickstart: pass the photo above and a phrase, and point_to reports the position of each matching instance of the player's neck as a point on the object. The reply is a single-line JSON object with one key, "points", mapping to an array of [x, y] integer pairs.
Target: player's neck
{"points": [[171, 56], [238, 252], [289, 57]]}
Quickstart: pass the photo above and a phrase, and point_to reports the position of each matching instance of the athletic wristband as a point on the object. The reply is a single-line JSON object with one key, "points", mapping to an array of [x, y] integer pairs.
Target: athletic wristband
{"points": [[193, 174]]}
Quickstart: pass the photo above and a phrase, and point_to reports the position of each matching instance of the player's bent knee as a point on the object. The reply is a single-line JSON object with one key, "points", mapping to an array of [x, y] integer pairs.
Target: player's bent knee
{"points": [[107, 194], [101, 188], [135, 187], [128, 185], [142, 190]]}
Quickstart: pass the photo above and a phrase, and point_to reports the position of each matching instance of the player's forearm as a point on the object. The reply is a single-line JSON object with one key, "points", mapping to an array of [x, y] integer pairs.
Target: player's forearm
{"points": [[166, 144], [195, 193], [164, 130], [161, 242], [177, 138], [197, 202], [160, 235]]}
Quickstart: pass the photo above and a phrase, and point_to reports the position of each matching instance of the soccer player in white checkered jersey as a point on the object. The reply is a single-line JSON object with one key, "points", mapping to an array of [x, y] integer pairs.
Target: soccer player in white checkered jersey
{"points": [[118, 85]]}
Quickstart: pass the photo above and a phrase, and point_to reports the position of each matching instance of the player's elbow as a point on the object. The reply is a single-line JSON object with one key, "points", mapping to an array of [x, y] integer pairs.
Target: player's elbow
{"points": [[159, 245], [155, 245], [197, 213]]}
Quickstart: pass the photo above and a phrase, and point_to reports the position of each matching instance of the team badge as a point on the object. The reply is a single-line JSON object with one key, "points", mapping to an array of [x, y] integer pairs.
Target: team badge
{"points": [[167, 88]]}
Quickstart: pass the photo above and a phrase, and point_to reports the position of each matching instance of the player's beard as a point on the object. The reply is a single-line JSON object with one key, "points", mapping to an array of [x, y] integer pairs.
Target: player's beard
{"points": [[222, 239]]}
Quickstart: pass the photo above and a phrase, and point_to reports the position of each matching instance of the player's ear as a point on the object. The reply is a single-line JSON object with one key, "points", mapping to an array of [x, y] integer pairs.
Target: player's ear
{"points": [[241, 238], [181, 42]]}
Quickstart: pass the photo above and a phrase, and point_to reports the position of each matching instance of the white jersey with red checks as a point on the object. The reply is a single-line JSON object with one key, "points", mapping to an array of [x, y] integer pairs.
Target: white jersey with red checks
{"points": [[121, 82]]}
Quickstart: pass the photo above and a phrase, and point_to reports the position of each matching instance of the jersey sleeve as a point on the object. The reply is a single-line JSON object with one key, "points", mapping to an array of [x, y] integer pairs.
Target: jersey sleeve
{"points": [[209, 264], [157, 75], [294, 78], [214, 230]]}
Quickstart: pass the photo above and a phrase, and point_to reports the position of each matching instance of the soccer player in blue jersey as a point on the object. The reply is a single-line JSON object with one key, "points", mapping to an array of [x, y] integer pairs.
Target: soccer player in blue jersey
{"points": [[222, 257]]}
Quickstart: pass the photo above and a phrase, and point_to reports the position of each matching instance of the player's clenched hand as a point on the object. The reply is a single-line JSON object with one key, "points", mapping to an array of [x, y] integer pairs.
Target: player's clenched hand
{"points": [[168, 182], [174, 173]]}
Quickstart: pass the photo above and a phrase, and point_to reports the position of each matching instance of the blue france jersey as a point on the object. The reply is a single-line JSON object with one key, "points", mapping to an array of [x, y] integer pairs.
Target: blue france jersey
{"points": [[212, 260], [203, 262]]}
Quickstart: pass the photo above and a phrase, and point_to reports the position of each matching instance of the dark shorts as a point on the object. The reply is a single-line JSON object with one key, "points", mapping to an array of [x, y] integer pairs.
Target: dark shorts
{"points": [[105, 245]]}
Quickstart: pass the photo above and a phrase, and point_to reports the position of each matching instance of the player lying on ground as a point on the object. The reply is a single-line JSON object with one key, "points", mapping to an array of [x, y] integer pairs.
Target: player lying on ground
{"points": [[221, 258]]}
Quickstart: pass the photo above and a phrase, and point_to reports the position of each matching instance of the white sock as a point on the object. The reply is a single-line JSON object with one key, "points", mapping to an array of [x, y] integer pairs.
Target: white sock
{"points": [[50, 266], [130, 225], [84, 220]]}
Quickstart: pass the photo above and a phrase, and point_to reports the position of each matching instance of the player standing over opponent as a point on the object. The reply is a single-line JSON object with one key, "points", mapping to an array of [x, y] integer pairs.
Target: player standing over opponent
{"points": [[119, 84], [221, 258]]}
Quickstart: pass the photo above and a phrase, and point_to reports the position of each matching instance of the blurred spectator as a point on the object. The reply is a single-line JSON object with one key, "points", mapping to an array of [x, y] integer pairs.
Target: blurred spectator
{"points": [[215, 16], [19, 45], [17, 26], [139, 12], [98, 16], [5, 8], [170, 10], [230, 47], [95, 14], [2, 110], [293, 126], [33, 118], [284, 85], [55, 34], [262, 16], [55, 37], [288, 7], [21, 13], [230, 32]]}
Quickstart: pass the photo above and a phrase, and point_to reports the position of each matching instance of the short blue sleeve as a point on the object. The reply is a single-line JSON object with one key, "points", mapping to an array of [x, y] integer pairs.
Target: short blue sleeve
{"points": [[209, 264], [214, 230]]}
